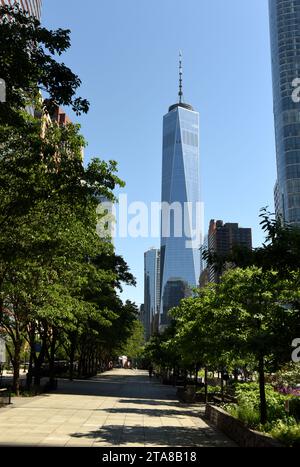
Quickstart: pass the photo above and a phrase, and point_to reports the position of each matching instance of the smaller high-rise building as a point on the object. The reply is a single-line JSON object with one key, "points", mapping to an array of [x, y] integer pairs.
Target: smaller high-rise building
{"points": [[222, 238], [151, 291], [141, 316]]}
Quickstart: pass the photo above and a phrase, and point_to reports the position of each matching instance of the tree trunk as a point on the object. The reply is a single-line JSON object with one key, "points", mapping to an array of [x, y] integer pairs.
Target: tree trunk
{"points": [[31, 332], [196, 375], [72, 358], [52, 361], [38, 361], [29, 373], [16, 365], [206, 386], [222, 385], [262, 391]]}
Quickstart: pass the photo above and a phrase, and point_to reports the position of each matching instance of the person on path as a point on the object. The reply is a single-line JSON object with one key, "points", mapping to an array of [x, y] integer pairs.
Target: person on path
{"points": [[150, 369]]}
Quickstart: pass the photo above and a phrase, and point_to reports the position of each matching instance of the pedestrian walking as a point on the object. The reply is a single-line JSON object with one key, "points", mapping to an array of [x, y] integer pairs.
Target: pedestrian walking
{"points": [[150, 369]]}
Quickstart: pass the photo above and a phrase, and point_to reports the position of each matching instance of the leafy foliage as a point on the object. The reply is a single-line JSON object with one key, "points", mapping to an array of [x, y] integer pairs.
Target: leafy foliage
{"points": [[28, 64], [59, 281]]}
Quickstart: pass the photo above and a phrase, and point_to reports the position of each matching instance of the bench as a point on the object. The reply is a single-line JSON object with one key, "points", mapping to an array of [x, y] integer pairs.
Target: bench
{"points": [[5, 396]]}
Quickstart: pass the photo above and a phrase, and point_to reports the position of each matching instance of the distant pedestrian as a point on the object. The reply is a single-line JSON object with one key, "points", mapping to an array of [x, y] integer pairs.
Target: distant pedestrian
{"points": [[150, 369]]}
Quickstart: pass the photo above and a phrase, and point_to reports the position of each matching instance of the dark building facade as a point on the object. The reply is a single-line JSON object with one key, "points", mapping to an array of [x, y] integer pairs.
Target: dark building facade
{"points": [[285, 49], [221, 240], [151, 291]]}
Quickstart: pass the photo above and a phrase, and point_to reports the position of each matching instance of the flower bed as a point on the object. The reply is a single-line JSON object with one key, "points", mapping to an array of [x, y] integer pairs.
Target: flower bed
{"points": [[283, 411]]}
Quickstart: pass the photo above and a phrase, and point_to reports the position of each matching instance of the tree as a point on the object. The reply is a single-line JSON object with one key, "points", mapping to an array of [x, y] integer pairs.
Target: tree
{"points": [[280, 252], [134, 345], [28, 65], [58, 279], [197, 334], [252, 314]]}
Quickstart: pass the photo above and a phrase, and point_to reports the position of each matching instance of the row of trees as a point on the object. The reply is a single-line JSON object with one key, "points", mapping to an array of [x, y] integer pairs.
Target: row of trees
{"points": [[248, 320], [59, 281]]}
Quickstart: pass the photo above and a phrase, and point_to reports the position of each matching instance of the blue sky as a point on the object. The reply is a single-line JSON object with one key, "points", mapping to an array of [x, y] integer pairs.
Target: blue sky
{"points": [[126, 53]]}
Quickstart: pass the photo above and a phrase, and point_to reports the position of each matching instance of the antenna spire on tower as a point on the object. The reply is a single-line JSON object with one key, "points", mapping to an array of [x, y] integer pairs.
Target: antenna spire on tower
{"points": [[180, 94]]}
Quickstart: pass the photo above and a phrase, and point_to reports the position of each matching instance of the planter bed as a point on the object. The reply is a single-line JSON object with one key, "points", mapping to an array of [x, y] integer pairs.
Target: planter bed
{"points": [[237, 431]]}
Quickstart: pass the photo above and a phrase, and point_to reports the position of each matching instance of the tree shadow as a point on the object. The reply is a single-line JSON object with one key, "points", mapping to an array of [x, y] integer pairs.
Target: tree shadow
{"points": [[152, 412], [113, 385], [159, 402], [117, 435]]}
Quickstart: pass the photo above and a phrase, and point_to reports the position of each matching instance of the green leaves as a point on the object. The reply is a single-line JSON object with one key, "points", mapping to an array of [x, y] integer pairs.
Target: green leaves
{"points": [[27, 64], [58, 279]]}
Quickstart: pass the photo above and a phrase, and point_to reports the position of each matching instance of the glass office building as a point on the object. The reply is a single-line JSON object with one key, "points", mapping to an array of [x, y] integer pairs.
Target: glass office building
{"points": [[151, 291], [285, 48], [180, 262]]}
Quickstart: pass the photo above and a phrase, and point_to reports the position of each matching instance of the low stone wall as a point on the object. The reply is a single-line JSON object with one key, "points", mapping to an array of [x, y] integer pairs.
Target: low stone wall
{"points": [[237, 431]]}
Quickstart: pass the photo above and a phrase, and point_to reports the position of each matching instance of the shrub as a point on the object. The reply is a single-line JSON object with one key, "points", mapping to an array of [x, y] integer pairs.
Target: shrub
{"points": [[210, 390], [295, 408], [247, 408], [246, 414], [289, 375], [248, 395], [288, 432]]}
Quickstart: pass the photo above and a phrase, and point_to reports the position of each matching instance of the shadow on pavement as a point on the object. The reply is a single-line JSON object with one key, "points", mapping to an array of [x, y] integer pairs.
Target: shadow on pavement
{"points": [[136, 386], [116, 435], [152, 412]]}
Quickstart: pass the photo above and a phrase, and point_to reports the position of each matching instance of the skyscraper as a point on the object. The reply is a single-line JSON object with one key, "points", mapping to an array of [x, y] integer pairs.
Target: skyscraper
{"points": [[221, 240], [285, 48], [180, 261], [151, 291], [34, 7]]}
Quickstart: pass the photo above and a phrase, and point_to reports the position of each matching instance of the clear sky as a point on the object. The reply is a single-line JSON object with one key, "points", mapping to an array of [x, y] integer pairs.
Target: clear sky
{"points": [[126, 53]]}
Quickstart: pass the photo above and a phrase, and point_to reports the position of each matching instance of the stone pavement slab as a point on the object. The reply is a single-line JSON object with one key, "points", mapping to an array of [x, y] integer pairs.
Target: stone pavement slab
{"points": [[117, 408]]}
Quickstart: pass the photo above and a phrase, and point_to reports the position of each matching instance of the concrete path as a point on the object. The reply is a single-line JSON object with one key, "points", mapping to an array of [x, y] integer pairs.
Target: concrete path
{"points": [[117, 408]]}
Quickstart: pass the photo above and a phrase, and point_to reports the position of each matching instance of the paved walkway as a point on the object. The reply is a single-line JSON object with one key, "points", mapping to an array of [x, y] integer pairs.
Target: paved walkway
{"points": [[117, 408]]}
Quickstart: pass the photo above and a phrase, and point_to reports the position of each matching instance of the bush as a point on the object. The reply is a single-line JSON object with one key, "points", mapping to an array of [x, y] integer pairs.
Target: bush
{"points": [[248, 395], [210, 390], [247, 408], [295, 408], [289, 375], [288, 432], [246, 414]]}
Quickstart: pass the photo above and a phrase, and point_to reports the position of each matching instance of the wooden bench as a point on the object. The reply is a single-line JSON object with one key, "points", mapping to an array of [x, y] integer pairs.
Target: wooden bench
{"points": [[5, 396]]}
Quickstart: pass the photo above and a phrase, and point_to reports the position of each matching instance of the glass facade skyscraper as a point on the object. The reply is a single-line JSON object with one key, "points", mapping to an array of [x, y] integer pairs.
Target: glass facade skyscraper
{"points": [[180, 261], [152, 291], [285, 48]]}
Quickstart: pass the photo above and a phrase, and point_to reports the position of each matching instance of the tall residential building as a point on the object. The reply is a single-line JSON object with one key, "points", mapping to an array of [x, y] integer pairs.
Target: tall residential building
{"points": [[285, 48], [34, 7], [221, 240], [180, 262], [204, 279], [151, 291]]}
